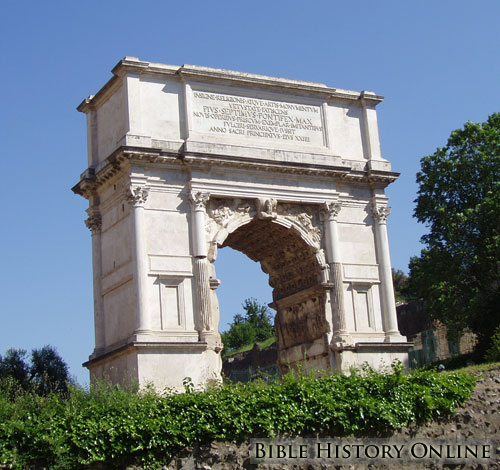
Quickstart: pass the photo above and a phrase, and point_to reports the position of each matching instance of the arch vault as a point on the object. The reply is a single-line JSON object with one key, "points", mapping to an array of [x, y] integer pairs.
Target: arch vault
{"points": [[183, 160]]}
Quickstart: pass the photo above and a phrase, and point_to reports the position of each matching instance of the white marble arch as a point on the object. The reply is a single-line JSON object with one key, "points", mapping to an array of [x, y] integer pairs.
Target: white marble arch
{"points": [[183, 159]]}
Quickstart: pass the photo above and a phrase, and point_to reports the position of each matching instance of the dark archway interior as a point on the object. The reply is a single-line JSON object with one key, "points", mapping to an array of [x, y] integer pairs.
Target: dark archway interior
{"points": [[289, 261]]}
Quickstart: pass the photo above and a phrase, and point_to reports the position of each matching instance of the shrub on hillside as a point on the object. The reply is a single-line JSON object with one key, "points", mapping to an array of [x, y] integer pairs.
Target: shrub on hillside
{"points": [[116, 427]]}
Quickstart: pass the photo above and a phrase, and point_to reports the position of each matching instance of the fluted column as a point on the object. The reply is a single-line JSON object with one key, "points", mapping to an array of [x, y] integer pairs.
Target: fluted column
{"points": [[380, 214], [136, 197], [199, 202], [330, 211], [94, 223]]}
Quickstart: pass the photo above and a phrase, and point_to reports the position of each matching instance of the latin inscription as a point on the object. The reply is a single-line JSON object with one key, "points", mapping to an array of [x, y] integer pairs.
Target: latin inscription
{"points": [[239, 116]]}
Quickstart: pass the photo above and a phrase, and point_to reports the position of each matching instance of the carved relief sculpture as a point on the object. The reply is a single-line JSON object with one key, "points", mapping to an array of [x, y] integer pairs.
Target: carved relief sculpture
{"points": [[266, 208]]}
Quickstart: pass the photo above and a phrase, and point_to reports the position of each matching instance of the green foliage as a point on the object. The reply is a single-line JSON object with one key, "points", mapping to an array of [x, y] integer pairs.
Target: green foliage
{"points": [[255, 325], [400, 282], [458, 272], [262, 345], [14, 365], [493, 353], [49, 372], [118, 428], [44, 374]]}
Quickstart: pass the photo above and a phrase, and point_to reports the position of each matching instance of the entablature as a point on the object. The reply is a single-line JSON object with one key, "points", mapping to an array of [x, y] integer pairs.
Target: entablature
{"points": [[92, 178]]}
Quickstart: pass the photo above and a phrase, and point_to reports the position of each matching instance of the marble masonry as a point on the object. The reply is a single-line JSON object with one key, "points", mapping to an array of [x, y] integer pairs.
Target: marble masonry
{"points": [[183, 160]]}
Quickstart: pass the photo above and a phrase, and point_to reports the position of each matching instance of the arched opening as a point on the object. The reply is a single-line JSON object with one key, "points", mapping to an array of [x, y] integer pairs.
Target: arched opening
{"points": [[241, 278], [299, 297]]}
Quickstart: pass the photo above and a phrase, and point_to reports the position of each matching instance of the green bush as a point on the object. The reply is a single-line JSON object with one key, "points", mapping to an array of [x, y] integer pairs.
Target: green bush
{"points": [[118, 427]]}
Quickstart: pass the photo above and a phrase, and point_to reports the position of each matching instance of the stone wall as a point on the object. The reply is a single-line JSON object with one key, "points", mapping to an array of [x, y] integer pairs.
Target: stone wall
{"points": [[248, 365], [430, 340]]}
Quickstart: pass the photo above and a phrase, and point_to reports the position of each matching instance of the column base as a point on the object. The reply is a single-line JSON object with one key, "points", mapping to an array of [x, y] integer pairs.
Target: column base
{"points": [[394, 337], [212, 338], [341, 340]]}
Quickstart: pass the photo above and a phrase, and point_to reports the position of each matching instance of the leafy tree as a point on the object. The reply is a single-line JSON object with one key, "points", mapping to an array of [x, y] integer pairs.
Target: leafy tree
{"points": [[46, 372], [14, 365], [260, 318], [238, 335], [49, 373], [255, 324], [458, 271], [400, 282]]}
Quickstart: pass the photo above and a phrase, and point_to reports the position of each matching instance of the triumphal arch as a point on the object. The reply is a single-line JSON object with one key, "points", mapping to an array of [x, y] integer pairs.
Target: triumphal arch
{"points": [[185, 160]]}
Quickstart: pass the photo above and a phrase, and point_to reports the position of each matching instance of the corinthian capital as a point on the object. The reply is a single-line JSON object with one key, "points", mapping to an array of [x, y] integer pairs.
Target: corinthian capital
{"points": [[380, 213], [199, 200], [137, 196], [94, 222], [331, 209]]}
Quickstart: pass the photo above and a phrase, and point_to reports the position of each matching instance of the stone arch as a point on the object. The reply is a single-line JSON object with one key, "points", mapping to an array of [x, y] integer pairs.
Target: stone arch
{"points": [[286, 241], [268, 177]]}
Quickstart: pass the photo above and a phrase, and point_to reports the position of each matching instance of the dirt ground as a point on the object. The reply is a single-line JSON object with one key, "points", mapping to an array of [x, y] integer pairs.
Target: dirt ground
{"points": [[478, 418]]}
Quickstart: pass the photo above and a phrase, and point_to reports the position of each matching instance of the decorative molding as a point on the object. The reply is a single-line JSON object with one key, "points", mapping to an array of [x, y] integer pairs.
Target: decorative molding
{"points": [[137, 196], [94, 178]]}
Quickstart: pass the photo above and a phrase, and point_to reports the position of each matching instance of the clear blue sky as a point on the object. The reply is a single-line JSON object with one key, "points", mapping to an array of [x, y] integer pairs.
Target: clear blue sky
{"points": [[437, 63]]}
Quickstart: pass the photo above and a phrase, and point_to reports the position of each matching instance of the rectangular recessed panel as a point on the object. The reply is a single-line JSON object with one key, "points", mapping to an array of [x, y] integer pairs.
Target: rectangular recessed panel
{"points": [[170, 315], [173, 264], [361, 272], [363, 310]]}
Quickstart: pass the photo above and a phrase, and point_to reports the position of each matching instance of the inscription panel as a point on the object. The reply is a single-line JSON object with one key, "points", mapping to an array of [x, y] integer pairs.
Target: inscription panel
{"points": [[257, 118]]}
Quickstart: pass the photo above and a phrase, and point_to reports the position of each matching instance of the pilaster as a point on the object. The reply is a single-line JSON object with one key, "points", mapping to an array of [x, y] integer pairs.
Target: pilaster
{"points": [[94, 224]]}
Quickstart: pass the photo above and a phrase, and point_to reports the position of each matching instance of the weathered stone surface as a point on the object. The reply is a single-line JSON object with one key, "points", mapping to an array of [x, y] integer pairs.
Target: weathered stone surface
{"points": [[185, 160]]}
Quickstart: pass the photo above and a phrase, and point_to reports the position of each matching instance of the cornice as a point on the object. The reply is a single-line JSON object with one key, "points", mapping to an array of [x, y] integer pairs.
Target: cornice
{"points": [[91, 179], [89, 103], [133, 65]]}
